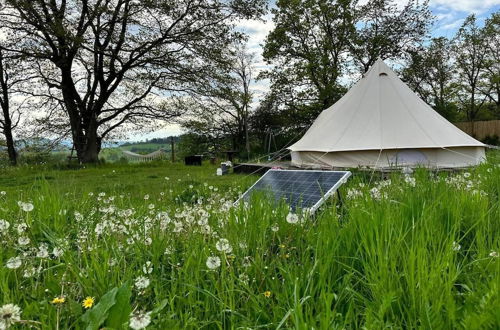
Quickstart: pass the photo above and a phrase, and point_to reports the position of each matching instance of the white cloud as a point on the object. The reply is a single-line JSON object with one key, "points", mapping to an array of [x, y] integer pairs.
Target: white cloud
{"points": [[452, 25], [170, 130], [466, 6], [257, 30]]}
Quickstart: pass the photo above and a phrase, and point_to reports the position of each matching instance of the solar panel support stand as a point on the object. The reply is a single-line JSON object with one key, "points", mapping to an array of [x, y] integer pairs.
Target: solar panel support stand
{"points": [[339, 195]]}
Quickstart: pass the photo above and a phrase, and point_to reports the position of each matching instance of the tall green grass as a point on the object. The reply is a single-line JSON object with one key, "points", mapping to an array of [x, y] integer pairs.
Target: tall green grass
{"points": [[392, 255]]}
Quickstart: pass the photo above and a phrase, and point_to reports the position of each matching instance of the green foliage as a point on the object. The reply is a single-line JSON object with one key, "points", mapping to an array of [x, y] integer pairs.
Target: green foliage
{"points": [[409, 252], [113, 308]]}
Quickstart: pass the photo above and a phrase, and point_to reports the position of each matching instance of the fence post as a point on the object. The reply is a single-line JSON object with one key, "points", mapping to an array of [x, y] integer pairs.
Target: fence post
{"points": [[172, 148]]}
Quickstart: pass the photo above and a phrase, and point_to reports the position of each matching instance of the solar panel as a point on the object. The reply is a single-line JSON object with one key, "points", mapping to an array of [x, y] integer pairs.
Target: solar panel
{"points": [[301, 189]]}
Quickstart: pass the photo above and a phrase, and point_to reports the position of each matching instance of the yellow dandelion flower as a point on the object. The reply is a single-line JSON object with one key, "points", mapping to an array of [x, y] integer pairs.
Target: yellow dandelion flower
{"points": [[88, 302], [267, 294], [58, 300]]}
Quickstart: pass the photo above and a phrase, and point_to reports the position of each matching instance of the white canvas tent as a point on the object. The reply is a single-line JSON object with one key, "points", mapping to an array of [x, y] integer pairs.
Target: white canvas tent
{"points": [[381, 123]]}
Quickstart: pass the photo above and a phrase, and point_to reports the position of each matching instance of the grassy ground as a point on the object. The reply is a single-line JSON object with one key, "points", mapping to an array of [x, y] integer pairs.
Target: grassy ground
{"points": [[160, 244]]}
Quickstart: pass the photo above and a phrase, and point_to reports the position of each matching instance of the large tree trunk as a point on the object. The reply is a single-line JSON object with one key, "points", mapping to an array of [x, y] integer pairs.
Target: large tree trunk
{"points": [[86, 141], [92, 148], [11, 149], [5, 105]]}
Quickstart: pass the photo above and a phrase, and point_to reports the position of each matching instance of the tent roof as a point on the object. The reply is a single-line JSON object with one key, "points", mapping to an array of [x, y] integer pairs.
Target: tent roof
{"points": [[381, 112]]}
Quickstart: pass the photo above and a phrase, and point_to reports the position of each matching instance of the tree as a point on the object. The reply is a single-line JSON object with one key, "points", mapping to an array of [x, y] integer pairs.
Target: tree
{"points": [[117, 61], [470, 50], [219, 106], [387, 32], [491, 75], [13, 74], [430, 74], [307, 49]]}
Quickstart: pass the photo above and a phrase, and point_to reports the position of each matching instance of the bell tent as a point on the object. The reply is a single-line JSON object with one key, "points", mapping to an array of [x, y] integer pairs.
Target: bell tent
{"points": [[381, 123]]}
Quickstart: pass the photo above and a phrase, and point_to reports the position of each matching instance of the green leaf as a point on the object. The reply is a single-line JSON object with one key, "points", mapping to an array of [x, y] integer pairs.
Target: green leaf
{"points": [[160, 307], [96, 316], [120, 312]]}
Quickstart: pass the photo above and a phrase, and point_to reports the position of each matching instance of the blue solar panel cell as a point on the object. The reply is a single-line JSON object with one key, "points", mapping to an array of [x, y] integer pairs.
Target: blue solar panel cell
{"points": [[301, 189]]}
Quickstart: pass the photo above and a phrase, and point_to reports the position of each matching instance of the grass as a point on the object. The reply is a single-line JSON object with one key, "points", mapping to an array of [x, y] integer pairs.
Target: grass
{"points": [[397, 254]]}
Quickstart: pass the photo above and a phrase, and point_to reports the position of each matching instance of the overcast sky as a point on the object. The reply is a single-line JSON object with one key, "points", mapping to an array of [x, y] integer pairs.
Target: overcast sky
{"points": [[450, 14]]}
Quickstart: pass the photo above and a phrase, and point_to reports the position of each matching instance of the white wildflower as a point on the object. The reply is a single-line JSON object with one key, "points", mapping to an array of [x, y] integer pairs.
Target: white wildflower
{"points": [[23, 240], [21, 228], [9, 314], [57, 252], [31, 271], [494, 254], [141, 282], [243, 278], [26, 207], [410, 180], [292, 218], [140, 320], [4, 225], [213, 262], [43, 251], [78, 216], [375, 193], [353, 193], [14, 263], [147, 268], [223, 246], [275, 227], [455, 246]]}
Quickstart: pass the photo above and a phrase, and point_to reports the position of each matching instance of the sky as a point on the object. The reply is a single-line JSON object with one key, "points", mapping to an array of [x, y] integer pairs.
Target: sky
{"points": [[449, 14]]}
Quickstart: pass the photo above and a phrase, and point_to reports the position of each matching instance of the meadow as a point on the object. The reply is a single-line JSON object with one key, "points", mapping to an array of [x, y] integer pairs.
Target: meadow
{"points": [[161, 246]]}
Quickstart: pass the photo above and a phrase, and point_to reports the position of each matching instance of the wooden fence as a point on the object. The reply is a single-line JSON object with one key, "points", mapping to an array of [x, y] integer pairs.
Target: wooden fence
{"points": [[480, 129]]}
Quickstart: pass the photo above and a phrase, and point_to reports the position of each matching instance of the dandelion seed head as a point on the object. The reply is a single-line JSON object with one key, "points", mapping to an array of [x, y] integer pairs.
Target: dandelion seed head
{"points": [[140, 320], [223, 245], [9, 314], [141, 282], [26, 207], [292, 218], [213, 262], [4, 225], [14, 263]]}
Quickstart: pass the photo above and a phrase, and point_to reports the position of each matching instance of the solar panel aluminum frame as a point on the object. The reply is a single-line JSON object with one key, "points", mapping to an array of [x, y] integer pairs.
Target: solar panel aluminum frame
{"points": [[312, 209]]}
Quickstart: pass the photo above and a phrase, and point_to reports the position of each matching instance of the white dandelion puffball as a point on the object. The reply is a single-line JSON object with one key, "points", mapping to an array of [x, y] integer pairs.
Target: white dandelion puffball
{"points": [[23, 240], [213, 262], [4, 225], [275, 227], [26, 207], [141, 282], [223, 246], [14, 263], [292, 218], [140, 320], [9, 314]]}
